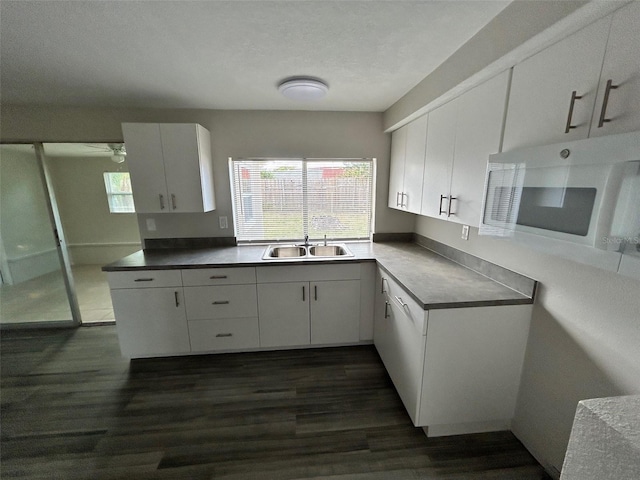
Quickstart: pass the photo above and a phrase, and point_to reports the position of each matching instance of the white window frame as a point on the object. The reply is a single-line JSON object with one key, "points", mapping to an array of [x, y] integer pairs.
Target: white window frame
{"points": [[111, 194], [305, 162]]}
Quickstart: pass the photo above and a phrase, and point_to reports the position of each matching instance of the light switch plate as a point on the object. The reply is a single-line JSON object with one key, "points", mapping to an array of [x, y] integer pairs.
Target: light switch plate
{"points": [[465, 232], [223, 222]]}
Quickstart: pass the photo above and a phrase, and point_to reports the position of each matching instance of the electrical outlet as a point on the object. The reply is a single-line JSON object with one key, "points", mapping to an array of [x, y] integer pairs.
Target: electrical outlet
{"points": [[151, 224], [465, 232], [223, 222]]}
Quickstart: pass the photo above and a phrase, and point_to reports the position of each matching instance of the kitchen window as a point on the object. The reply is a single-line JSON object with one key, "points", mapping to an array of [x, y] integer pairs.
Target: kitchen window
{"points": [[119, 195], [286, 199]]}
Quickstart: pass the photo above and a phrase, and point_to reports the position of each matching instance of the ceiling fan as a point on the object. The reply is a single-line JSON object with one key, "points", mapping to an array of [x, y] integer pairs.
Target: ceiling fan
{"points": [[117, 150]]}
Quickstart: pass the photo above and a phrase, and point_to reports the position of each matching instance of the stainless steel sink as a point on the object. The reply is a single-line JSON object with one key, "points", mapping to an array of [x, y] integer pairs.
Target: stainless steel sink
{"points": [[329, 251], [285, 251], [291, 252]]}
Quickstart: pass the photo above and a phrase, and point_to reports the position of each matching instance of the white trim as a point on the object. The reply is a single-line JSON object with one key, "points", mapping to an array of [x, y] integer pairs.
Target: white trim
{"points": [[112, 244]]}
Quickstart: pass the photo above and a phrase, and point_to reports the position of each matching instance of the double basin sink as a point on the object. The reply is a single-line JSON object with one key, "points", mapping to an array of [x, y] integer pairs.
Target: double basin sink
{"points": [[290, 252]]}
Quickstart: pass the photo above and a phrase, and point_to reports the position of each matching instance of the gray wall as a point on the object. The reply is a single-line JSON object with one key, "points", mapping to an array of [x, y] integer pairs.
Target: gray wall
{"points": [[94, 235], [583, 343], [233, 134]]}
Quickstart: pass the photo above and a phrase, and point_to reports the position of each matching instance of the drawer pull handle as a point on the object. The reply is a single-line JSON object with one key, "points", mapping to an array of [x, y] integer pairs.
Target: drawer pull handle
{"points": [[303, 295], [220, 335], [221, 302], [400, 301], [605, 102], [217, 277], [574, 97], [386, 309], [161, 201], [173, 201], [177, 300], [382, 285], [143, 280], [315, 292]]}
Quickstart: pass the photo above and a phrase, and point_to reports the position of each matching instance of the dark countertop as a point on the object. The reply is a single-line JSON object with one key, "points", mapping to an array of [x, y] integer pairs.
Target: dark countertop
{"points": [[432, 280]]}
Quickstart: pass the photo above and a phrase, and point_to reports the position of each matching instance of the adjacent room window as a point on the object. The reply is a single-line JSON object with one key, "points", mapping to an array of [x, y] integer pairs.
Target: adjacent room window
{"points": [[286, 199], [118, 186]]}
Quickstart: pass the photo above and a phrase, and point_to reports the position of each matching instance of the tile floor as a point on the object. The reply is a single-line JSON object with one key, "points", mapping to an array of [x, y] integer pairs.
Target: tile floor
{"points": [[44, 298]]}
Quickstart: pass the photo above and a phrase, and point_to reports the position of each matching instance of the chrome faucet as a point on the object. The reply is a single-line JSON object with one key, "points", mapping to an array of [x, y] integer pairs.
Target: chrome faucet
{"points": [[325, 239], [306, 240]]}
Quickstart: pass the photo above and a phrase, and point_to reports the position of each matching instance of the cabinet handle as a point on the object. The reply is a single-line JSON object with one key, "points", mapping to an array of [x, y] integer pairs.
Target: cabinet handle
{"points": [[402, 195], [382, 285], [440, 211], [217, 277], [303, 295], [177, 300], [143, 280], [221, 302], [574, 97], [605, 102], [315, 292], [386, 309], [449, 207], [161, 201], [397, 201], [404, 305], [219, 335], [173, 201]]}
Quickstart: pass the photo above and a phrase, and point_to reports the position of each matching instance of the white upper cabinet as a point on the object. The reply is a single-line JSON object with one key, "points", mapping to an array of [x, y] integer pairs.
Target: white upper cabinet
{"points": [[170, 166], [407, 164], [461, 136], [543, 107], [441, 139], [619, 111], [587, 84]]}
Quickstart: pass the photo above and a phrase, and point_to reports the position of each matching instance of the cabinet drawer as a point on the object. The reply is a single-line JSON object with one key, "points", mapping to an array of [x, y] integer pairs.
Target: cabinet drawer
{"points": [[219, 276], [144, 279], [221, 302], [400, 298], [224, 334]]}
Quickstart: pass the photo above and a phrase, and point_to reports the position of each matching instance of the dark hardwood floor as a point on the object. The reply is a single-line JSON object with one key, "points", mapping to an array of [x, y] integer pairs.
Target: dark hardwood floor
{"points": [[72, 408]]}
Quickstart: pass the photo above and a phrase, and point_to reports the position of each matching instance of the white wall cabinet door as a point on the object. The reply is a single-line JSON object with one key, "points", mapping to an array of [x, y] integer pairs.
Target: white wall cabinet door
{"points": [[396, 167], [407, 165], [146, 167], [335, 312], [283, 312], [622, 69], [151, 321], [170, 166], [441, 138], [478, 131], [414, 164], [542, 86], [188, 167]]}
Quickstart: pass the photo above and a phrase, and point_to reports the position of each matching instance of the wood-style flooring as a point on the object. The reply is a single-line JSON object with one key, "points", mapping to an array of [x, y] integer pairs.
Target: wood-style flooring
{"points": [[72, 408]]}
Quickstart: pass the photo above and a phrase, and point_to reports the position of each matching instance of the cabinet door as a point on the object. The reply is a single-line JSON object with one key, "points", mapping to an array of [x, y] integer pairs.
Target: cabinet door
{"points": [[146, 167], [414, 164], [622, 67], [441, 137], [478, 133], [335, 312], [283, 312], [182, 165], [542, 87], [396, 167], [150, 321]]}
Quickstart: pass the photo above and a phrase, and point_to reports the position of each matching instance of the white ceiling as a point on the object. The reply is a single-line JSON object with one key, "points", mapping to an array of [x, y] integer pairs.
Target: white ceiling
{"points": [[226, 54]]}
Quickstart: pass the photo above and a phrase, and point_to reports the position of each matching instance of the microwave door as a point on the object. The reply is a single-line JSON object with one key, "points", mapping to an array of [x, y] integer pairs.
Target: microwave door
{"points": [[502, 199]]}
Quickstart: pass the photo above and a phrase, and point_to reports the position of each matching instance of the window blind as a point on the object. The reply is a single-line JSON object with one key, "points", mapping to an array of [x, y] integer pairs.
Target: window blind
{"points": [[286, 199]]}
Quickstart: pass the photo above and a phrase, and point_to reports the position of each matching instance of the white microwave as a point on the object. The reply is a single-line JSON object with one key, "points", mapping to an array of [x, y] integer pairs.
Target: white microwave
{"points": [[579, 200]]}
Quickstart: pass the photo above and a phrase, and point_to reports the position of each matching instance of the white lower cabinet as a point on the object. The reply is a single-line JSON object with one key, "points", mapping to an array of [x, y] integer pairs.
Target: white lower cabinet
{"points": [[304, 304], [456, 370], [151, 321]]}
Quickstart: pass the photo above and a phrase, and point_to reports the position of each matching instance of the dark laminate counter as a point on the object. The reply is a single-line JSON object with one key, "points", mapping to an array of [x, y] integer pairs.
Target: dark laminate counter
{"points": [[431, 279]]}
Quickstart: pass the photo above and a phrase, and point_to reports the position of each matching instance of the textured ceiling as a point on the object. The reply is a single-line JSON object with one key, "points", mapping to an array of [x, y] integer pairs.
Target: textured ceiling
{"points": [[226, 54]]}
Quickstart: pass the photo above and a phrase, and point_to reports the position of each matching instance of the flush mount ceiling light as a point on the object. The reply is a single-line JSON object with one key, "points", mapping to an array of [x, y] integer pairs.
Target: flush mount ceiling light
{"points": [[303, 88], [119, 152]]}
